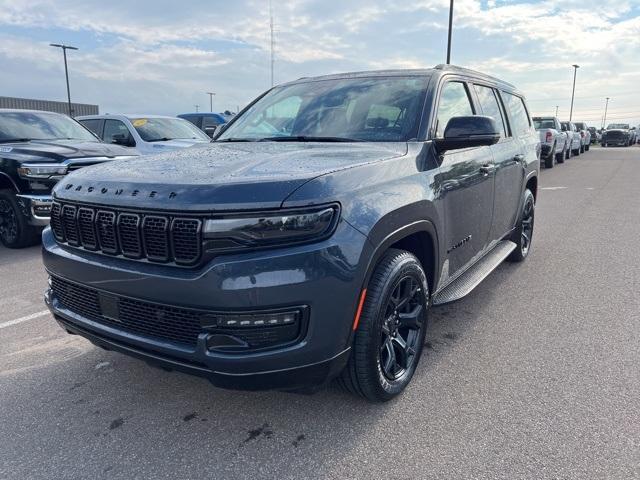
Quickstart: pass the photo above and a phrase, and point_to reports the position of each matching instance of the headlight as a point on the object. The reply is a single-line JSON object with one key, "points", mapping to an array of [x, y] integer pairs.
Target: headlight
{"points": [[270, 229], [42, 171]]}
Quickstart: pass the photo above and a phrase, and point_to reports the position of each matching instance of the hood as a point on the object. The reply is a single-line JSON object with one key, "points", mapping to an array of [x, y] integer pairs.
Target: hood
{"points": [[47, 151], [218, 176]]}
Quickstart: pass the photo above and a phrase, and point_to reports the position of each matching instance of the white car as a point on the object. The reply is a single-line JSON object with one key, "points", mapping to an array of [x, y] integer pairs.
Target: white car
{"points": [[147, 134]]}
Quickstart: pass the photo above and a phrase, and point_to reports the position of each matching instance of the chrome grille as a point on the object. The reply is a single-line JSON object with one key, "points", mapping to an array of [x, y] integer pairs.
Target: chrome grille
{"points": [[136, 235]]}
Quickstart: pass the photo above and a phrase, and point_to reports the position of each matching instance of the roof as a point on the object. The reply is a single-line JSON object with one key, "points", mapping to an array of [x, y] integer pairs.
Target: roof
{"points": [[126, 115], [24, 110], [419, 72]]}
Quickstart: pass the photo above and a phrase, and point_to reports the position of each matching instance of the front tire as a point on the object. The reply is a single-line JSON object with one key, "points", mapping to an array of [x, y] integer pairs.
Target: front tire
{"points": [[388, 342], [561, 156], [15, 232], [523, 234]]}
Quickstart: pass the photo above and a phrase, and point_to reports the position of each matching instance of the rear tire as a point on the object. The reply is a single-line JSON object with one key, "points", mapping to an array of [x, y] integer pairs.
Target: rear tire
{"points": [[388, 342], [523, 234], [561, 156], [548, 162], [15, 232]]}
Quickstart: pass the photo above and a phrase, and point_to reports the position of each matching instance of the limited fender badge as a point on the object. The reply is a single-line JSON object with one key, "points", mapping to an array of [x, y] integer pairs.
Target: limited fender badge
{"points": [[6, 149]]}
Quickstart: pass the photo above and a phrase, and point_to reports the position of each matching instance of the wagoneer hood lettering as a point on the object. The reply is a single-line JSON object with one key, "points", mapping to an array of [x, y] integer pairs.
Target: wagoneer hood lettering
{"points": [[218, 176]]}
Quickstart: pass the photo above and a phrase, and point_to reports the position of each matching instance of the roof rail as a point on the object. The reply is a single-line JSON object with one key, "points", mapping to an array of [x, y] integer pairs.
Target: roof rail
{"points": [[455, 68]]}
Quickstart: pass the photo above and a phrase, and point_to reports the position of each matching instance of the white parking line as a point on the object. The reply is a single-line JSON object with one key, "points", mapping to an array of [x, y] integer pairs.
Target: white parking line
{"points": [[553, 188], [24, 319]]}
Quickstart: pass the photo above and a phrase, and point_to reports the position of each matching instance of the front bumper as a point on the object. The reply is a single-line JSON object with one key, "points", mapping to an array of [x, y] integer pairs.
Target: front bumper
{"points": [[37, 208], [327, 277]]}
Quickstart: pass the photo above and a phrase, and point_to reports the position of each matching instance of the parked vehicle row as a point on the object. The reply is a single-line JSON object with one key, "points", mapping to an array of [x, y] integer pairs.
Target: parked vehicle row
{"points": [[561, 140]]}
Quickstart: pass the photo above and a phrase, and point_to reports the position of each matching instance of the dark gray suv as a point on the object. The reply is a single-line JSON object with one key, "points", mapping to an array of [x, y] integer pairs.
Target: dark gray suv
{"points": [[309, 242]]}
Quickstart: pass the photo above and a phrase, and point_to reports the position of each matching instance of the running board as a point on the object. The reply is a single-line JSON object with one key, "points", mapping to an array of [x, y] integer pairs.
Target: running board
{"points": [[465, 283]]}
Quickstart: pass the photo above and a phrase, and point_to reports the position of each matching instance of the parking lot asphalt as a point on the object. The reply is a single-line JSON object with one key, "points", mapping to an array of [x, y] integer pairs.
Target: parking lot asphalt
{"points": [[535, 374]]}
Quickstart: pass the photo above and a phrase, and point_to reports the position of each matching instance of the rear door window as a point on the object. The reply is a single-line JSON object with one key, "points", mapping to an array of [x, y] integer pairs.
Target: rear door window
{"points": [[520, 122], [454, 102], [491, 107]]}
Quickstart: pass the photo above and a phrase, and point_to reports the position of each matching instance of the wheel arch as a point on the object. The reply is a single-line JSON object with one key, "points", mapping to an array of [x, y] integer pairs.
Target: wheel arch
{"points": [[7, 183]]}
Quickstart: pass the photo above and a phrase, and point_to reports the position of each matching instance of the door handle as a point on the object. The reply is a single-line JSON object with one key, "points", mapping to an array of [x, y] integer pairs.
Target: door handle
{"points": [[519, 158], [487, 168]]}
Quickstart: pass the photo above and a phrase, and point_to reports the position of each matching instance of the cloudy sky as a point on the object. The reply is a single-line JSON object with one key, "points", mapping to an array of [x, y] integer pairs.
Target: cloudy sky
{"points": [[159, 56]]}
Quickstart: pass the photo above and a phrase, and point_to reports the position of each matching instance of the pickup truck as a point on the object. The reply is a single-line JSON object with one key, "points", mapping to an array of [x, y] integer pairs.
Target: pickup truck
{"points": [[310, 240], [37, 149], [574, 139], [585, 135], [553, 140], [617, 134]]}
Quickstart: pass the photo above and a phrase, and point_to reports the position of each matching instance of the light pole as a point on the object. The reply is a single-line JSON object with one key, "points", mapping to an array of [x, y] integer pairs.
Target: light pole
{"points": [[557, 110], [197, 107], [575, 71], [211, 94], [450, 28], [606, 107], [66, 70], [273, 41]]}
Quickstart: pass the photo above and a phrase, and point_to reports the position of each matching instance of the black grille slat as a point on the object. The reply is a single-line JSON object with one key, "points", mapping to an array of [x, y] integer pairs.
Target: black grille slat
{"points": [[56, 221], [155, 237], [69, 225], [86, 225], [129, 233], [185, 238], [106, 228], [155, 232]]}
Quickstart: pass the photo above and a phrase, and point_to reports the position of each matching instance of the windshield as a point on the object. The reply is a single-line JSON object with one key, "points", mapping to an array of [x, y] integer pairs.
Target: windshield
{"points": [[41, 126], [158, 129], [358, 109], [541, 123], [621, 126]]}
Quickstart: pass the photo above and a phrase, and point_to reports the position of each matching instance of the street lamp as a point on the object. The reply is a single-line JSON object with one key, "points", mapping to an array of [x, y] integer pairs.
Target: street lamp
{"points": [[197, 107], [450, 28], [557, 110], [66, 71], [575, 71], [211, 94], [606, 106]]}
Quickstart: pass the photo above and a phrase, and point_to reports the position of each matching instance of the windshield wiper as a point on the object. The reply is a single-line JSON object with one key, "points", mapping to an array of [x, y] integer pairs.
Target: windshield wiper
{"points": [[232, 139], [306, 138], [11, 140]]}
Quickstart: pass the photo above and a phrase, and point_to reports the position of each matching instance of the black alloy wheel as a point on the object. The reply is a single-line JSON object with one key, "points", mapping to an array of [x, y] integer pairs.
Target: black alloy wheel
{"points": [[523, 234], [8, 223], [401, 329], [389, 338]]}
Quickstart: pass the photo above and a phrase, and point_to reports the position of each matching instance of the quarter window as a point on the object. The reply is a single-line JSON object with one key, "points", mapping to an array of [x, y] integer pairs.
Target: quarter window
{"points": [[518, 113], [454, 102], [92, 124], [491, 107]]}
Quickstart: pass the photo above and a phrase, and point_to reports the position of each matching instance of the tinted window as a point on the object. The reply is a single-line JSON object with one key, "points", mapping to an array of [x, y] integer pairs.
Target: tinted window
{"points": [[539, 124], [210, 122], [518, 113], [42, 126], [454, 102], [93, 125], [491, 107], [161, 129], [115, 127], [365, 109]]}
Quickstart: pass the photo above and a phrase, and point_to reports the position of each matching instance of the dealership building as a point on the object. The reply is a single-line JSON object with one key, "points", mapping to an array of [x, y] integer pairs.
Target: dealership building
{"points": [[49, 106]]}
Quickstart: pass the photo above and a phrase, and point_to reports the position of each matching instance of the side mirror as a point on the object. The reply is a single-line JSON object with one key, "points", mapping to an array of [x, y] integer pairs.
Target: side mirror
{"points": [[468, 132], [121, 139]]}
